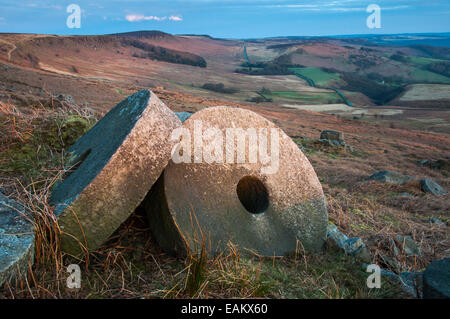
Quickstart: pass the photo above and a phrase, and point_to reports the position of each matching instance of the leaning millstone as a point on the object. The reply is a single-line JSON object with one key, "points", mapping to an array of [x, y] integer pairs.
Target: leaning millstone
{"points": [[334, 137], [436, 280], [223, 199], [117, 162], [391, 177], [16, 239], [430, 186], [183, 116]]}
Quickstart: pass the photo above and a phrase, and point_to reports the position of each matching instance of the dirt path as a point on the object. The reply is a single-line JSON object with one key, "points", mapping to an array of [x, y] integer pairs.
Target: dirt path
{"points": [[11, 50]]}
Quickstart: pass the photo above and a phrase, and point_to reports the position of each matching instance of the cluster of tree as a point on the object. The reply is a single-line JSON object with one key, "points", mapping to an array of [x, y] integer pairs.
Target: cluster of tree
{"points": [[164, 54], [361, 61], [259, 99], [400, 57], [268, 69], [394, 79], [434, 52], [219, 87], [442, 67], [379, 93]]}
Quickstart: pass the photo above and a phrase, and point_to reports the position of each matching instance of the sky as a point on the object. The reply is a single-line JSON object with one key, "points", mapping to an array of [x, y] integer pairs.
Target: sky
{"points": [[227, 18]]}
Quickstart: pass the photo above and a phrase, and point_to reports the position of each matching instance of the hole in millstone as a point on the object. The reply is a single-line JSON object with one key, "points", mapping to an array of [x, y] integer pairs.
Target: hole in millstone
{"points": [[253, 194]]}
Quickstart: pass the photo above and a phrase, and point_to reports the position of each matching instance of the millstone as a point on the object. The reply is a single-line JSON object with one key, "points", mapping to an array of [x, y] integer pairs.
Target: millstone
{"points": [[16, 239], [256, 208], [118, 161]]}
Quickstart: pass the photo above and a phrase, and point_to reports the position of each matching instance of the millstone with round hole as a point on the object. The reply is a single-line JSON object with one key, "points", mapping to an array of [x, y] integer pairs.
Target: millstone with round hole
{"points": [[267, 211], [116, 164]]}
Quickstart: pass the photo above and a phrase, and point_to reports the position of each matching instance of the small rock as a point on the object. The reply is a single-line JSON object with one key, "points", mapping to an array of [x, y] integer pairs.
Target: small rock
{"points": [[351, 246], [64, 98], [391, 177], [433, 220], [389, 262], [394, 248], [430, 186], [441, 164], [334, 137], [16, 239], [406, 195], [408, 245], [411, 282], [436, 280]]}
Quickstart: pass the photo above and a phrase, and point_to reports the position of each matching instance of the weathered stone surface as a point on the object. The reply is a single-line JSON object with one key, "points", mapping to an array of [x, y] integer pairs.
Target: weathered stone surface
{"points": [[183, 116], [408, 245], [441, 164], [391, 177], [121, 157], [436, 221], [16, 239], [430, 186], [436, 280], [334, 137], [351, 246], [259, 211]]}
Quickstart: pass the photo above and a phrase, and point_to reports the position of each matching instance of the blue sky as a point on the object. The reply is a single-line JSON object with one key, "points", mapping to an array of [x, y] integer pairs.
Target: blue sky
{"points": [[226, 18]]}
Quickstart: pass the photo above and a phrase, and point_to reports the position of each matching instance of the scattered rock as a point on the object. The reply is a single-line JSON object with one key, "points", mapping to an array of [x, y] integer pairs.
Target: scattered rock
{"points": [[351, 246], [437, 221], [394, 247], [64, 98], [230, 201], [116, 163], [411, 282], [436, 280], [333, 137], [16, 239], [391, 177], [391, 263], [441, 164], [430, 186], [408, 245]]}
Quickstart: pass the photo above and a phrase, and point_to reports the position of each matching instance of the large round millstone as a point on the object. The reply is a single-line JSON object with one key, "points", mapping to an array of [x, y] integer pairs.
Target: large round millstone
{"points": [[16, 239], [258, 205], [436, 280], [119, 159]]}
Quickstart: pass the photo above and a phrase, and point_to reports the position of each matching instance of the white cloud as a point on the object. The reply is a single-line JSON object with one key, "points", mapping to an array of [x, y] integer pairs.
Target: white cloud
{"points": [[176, 18], [141, 17]]}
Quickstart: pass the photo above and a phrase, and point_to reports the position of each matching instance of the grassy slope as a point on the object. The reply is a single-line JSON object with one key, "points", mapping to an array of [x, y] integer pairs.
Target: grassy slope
{"points": [[319, 76]]}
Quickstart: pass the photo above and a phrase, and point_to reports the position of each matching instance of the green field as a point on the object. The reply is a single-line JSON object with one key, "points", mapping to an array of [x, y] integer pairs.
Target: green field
{"points": [[423, 61], [306, 98], [319, 76], [420, 75]]}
